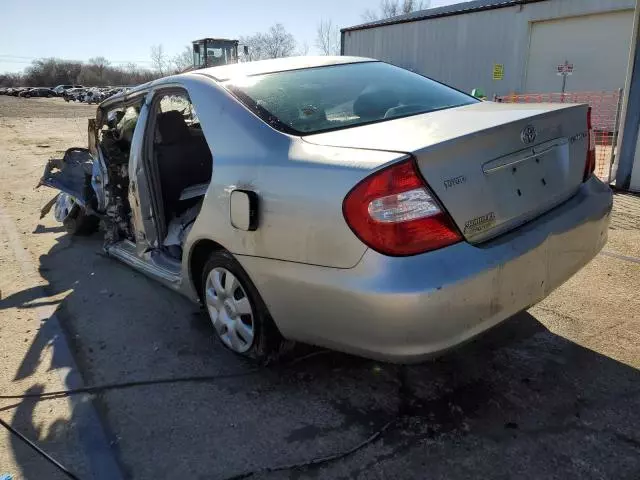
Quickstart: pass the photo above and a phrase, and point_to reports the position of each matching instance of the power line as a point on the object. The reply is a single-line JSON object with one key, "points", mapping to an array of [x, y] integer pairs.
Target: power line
{"points": [[8, 58], [13, 56], [15, 61]]}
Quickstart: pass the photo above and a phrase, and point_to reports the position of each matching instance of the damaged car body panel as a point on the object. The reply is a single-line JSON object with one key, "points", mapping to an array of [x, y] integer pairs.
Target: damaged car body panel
{"points": [[115, 182], [77, 206], [143, 214], [72, 175], [259, 191]]}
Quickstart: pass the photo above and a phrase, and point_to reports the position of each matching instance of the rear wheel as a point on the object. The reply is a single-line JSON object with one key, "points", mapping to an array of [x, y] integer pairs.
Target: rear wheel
{"points": [[237, 312]]}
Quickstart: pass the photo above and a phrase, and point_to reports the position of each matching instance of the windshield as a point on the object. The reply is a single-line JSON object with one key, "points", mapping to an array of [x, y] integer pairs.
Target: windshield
{"points": [[318, 99]]}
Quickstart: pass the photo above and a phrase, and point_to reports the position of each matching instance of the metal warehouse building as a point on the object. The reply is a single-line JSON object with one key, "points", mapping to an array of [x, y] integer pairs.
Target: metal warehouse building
{"points": [[505, 46]]}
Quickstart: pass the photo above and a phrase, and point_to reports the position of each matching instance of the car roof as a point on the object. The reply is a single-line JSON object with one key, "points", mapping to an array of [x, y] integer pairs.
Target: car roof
{"points": [[226, 72]]}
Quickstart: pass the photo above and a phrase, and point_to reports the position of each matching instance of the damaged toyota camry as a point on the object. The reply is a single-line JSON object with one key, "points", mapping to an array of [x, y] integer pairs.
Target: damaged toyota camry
{"points": [[337, 201]]}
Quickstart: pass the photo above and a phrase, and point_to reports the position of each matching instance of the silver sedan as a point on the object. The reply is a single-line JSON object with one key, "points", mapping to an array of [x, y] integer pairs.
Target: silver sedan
{"points": [[338, 201]]}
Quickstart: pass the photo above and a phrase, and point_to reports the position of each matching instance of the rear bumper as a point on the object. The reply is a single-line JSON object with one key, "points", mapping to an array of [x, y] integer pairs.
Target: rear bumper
{"points": [[406, 309]]}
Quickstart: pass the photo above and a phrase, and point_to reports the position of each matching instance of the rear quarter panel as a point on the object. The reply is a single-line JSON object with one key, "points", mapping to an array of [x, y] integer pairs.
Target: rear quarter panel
{"points": [[300, 186]]}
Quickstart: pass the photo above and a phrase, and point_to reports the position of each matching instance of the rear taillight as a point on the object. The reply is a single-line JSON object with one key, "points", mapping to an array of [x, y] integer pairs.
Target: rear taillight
{"points": [[590, 163], [393, 212]]}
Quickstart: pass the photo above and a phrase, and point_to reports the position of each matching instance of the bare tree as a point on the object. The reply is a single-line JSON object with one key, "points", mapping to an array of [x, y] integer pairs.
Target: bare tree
{"points": [[275, 43], [303, 49], [96, 72], [131, 67], [183, 60], [393, 8], [99, 65], [10, 79], [159, 59], [370, 15], [328, 38], [279, 42]]}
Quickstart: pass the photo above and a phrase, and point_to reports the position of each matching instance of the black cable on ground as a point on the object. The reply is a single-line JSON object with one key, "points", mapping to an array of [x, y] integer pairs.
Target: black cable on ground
{"points": [[320, 460], [141, 383], [10, 407], [42, 453], [123, 385], [165, 381]]}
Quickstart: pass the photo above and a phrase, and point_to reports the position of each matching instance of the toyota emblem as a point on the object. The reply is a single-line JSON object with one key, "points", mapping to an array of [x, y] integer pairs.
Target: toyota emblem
{"points": [[528, 134]]}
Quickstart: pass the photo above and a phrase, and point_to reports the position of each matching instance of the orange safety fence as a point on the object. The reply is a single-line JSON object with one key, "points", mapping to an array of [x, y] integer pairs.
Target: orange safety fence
{"points": [[605, 117]]}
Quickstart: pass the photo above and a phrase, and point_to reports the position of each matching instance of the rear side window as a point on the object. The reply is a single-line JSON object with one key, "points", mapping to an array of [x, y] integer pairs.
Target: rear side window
{"points": [[318, 99]]}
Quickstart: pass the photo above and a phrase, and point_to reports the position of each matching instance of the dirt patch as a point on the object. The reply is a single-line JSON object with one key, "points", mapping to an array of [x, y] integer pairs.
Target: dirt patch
{"points": [[626, 212], [16, 107]]}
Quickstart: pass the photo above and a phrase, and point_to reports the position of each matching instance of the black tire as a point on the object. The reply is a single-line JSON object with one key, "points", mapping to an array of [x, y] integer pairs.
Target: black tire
{"points": [[268, 344], [79, 223]]}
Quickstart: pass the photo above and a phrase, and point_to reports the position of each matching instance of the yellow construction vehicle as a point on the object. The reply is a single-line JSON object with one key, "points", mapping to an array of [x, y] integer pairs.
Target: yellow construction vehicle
{"points": [[211, 52]]}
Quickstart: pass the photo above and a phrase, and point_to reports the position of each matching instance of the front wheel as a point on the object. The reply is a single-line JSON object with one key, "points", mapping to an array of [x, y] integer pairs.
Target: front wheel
{"points": [[74, 218], [239, 315]]}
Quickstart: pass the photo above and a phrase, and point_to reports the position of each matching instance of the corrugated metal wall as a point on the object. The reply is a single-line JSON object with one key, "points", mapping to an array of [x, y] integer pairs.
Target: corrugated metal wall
{"points": [[592, 43], [460, 50]]}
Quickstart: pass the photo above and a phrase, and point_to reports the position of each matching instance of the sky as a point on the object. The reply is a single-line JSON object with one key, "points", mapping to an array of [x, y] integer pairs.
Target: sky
{"points": [[124, 31]]}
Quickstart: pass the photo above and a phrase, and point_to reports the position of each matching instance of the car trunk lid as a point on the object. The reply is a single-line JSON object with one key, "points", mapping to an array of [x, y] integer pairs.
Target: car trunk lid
{"points": [[493, 166]]}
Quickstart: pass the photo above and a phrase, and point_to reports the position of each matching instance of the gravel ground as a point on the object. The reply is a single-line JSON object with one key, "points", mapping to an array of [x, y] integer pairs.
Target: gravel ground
{"points": [[14, 107], [551, 393]]}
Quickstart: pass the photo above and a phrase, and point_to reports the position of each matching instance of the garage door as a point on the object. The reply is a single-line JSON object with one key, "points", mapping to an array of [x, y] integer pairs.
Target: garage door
{"points": [[597, 46]]}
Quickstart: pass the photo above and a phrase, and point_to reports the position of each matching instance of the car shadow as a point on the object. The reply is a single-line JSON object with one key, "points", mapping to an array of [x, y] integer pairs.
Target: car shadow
{"points": [[519, 400], [42, 229]]}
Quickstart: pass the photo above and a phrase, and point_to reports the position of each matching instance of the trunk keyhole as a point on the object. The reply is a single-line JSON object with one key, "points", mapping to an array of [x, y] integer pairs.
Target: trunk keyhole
{"points": [[514, 170], [519, 193], [544, 182]]}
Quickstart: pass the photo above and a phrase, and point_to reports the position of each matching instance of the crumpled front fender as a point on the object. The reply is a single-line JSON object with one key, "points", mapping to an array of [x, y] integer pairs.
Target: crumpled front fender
{"points": [[72, 175], [48, 206]]}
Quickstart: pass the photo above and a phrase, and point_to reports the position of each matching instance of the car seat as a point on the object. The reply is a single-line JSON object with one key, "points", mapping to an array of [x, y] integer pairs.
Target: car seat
{"points": [[183, 158], [373, 104]]}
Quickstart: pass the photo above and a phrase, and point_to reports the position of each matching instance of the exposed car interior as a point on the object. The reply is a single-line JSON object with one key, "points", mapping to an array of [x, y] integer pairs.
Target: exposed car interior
{"points": [[115, 140], [179, 160], [183, 162], [183, 158]]}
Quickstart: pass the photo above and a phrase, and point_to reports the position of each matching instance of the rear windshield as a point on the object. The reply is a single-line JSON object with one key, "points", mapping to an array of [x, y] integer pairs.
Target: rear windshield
{"points": [[318, 99]]}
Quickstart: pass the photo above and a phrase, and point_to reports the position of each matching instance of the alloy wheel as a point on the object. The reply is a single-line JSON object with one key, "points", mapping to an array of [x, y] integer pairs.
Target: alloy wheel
{"points": [[229, 309]]}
